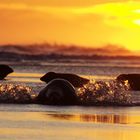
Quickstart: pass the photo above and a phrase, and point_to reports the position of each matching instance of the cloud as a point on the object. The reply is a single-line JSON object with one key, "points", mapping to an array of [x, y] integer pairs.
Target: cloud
{"points": [[20, 6], [89, 24], [105, 8], [120, 12]]}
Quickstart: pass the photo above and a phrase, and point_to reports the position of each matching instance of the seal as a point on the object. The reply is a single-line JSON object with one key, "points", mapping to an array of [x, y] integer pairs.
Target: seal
{"points": [[57, 92], [74, 79], [133, 80], [4, 71]]}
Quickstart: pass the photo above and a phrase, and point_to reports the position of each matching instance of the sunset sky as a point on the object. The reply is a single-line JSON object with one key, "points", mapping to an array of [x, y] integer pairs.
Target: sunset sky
{"points": [[80, 22]]}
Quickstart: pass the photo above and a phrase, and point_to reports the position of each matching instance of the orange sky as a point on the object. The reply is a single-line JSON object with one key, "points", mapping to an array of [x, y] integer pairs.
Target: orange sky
{"points": [[80, 22]]}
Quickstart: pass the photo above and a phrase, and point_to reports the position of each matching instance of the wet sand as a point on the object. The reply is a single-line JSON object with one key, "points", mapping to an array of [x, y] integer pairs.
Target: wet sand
{"points": [[72, 123]]}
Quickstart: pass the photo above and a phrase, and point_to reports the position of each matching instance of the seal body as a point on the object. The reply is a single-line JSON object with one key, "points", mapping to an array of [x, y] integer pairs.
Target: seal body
{"points": [[133, 80], [58, 92], [74, 79], [4, 71]]}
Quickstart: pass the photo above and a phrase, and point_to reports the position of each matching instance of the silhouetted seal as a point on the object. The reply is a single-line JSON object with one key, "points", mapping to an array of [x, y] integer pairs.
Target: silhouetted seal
{"points": [[57, 92], [133, 80], [4, 71], [74, 79]]}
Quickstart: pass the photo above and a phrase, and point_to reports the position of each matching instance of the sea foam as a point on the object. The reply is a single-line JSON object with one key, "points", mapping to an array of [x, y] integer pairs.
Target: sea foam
{"points": [[101, 92], [93, 93], [13, 93]]}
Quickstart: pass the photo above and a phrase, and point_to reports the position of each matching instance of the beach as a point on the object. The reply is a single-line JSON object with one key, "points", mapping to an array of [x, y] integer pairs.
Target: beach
{"points": [[33, 121], [73, 123]]}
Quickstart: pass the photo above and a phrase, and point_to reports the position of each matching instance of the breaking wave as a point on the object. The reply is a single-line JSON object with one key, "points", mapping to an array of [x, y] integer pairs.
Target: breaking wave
{"points": [[100, 92], [94, 93], [12, 93]]}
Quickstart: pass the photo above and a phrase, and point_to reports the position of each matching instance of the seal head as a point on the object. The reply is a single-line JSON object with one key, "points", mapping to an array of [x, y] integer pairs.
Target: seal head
{"points": [[58, 92]]}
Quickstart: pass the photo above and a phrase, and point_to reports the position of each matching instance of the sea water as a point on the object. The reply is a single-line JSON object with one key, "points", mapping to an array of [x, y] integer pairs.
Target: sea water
{"points": [[33, 122]]}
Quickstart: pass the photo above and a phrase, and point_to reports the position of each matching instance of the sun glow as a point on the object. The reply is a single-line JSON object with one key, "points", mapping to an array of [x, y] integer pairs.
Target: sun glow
{"points": [[137, 22], [84, 24]]}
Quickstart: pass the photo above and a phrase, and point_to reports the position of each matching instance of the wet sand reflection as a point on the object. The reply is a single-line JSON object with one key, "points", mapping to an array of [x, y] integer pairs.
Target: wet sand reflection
{"points": [[98, 118]]}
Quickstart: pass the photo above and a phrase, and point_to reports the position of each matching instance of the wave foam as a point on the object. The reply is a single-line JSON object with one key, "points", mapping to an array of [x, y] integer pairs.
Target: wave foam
{"points": [[100, 92], [94, 93], [11, 93]]}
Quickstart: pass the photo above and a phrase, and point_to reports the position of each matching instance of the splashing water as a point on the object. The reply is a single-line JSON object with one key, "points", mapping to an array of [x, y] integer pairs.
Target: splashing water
{"points": [[100, 92], [11, 93], [94, 93]]}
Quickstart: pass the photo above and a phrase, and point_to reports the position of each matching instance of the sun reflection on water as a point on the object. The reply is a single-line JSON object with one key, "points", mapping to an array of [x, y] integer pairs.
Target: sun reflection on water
{"points": [[98, 118]]}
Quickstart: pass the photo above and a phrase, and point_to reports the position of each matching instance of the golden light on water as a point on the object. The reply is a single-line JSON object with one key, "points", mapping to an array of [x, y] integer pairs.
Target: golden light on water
{"points": [[40, 125], [97, 118], [25, 77]]}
